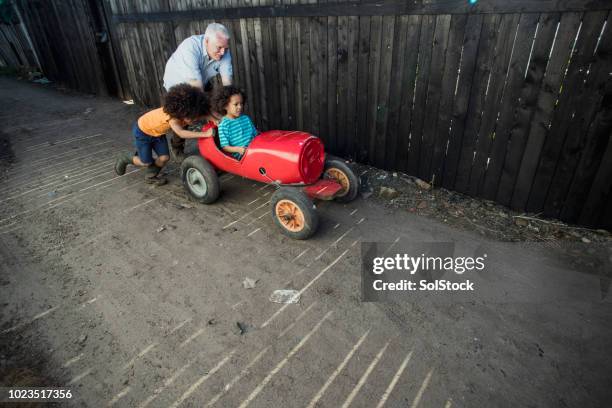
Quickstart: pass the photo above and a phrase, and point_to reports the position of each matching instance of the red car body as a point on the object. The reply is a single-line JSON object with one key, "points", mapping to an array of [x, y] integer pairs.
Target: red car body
{"points": [[283, 157]]}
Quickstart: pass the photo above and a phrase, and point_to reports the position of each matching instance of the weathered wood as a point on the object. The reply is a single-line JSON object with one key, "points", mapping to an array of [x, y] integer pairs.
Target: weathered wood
{"points": [[447, 96], [584, 107], [589, 33], [514, 83], [332, 85], [434, 92], [407, 85], [526, 105], [384, 84], [428, 26], [372, 89], [362, 88], [351, 100], [476, 102], [539, 125], [371, 8]]}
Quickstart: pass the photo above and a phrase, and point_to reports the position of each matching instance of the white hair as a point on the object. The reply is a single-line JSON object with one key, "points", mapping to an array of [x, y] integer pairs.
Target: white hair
{"points": [[215, 29]]}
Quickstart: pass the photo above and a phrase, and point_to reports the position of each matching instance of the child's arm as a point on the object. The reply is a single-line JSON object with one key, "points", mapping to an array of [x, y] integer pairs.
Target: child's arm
{"points": [[181, 132], [234, 149]]}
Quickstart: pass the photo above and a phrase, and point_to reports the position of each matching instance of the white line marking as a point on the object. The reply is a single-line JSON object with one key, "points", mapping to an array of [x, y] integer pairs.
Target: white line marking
{"points": [[266, 193], [341, 236], [32, 320], [72, 361], [234, 380], [417, 398], [80, 376], [257, 199], [139, 355], [261, 188], [58, 143], [140, 205], [279, 311], [449, 403], [284, 361], [354, 211], [364, 377], [355, 242], [300, 254], [168, 382], [201, 380], [322, 253], [360, 221], [337, 371], [394, 381], [191, 338], [89, 302], [181, 324], [67, 153], [245, 215], [237, 304], [253, 232], [336, 226], [297, 319], [114, 178], [121, 394]]}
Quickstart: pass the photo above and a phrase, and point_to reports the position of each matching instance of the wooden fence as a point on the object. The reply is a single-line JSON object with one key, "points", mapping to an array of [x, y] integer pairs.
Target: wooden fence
{"points": [[16, 50], [506, 100]]}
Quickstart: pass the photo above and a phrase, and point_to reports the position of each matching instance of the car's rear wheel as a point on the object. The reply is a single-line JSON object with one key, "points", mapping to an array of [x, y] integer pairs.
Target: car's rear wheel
{"points": [[294, 213], [336, 169], [200, 179]]}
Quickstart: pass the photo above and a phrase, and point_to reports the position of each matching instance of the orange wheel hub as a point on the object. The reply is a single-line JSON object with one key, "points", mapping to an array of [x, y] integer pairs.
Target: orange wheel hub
{"points": [[340, 177], [290, 215]]}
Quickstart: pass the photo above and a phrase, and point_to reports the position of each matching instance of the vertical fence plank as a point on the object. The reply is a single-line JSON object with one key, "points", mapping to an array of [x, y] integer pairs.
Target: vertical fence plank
{"points": [[384, 84], [407, 95], [539, 125], [434, 92], [504, 44], [351, 99], [553, 147], [362, 88], [514, 84], [332, 84], [314, 67], [426, 40], [585, 106], [447, 96], [526, 105], [373, 78]]}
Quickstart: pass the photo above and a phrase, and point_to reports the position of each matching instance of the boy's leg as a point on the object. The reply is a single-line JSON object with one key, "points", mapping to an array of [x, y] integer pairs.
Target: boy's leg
{"points": [[178, 147], [160, 146]]}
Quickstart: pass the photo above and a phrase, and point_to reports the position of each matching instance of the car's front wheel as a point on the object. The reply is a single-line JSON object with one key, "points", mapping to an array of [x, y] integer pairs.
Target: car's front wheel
{"points": [[294, 213], [200, 179]]}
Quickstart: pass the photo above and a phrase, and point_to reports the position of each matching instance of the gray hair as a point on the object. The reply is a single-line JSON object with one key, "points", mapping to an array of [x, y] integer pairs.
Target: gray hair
{"points": [[215, 29]]}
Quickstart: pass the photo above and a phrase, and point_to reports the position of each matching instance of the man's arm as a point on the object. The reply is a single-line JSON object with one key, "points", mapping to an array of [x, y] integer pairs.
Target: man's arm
{"points": [[225, 68]]}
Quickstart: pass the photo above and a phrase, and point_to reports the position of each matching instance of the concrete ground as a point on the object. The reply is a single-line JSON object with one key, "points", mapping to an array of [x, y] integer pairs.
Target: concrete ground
{"points": [[97, 297]]}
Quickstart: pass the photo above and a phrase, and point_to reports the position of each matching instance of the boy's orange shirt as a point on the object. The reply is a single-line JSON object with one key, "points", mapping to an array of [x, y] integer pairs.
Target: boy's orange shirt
{"points": [[155, 123]]}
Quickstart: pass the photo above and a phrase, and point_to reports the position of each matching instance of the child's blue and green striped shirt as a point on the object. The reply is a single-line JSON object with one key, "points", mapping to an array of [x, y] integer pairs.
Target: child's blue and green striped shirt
{"points": [[236, 132]]}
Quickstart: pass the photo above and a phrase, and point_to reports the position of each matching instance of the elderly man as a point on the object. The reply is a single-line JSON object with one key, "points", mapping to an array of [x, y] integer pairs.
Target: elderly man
{"points": [[196, 61]]}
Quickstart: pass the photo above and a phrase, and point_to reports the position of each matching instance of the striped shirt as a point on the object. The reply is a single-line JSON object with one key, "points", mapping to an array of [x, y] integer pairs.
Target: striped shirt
{"points": [[236, 132]]}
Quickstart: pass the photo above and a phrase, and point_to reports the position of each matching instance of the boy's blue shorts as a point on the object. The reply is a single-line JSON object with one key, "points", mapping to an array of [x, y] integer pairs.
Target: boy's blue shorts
{"points": [[145, 145]]}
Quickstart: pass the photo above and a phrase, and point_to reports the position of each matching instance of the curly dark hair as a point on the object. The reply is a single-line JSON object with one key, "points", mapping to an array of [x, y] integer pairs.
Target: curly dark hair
{"points": [[222, 96], [186, 102]]}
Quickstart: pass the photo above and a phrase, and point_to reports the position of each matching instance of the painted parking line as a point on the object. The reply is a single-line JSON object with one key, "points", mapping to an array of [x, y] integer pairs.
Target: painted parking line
{"points": [[365, 376], [253, 232], [354, 211], [72, 361], [246, 215], [336, 226], [394, 380], [79, 377], [177, 327], [191, 338], [337, 371], [300, 255], [297, 319], [360, 221], [142, 353], [284, 361]]}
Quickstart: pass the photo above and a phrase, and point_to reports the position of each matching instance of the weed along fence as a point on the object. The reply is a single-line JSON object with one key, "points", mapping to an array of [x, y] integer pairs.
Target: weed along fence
{"points": [[506, 100]]}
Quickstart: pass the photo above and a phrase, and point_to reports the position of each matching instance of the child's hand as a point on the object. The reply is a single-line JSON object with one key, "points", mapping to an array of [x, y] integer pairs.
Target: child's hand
{"points": [[243, 151]]}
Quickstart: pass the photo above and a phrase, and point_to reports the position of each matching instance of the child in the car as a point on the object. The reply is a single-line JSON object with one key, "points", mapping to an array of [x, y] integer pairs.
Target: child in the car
{"points": [[235, 129]]}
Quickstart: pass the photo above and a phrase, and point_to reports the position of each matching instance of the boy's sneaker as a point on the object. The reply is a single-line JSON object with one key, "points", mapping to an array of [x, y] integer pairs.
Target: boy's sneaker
{"points": [[122, 161], [152, 176]]}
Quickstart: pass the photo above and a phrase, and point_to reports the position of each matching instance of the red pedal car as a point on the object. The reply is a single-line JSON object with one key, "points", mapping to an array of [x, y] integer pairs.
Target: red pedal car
{"points": [[292, 160]]}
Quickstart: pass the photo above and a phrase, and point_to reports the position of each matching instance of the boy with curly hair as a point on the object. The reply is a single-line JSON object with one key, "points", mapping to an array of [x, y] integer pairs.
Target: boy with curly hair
{"points": [[235, 129], [183, 105]]}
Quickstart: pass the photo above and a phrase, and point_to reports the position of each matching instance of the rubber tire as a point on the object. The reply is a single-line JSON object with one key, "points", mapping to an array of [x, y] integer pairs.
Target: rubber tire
{"points": [[208, 174], [305, 204], [335, 162]]}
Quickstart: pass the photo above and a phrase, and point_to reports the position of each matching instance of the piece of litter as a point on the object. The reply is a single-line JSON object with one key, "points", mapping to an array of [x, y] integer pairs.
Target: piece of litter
{"points": [[243, 327], [51, 193], [285, 296], [249, 283], [129, 102], [212, 322], [160, 229]]}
